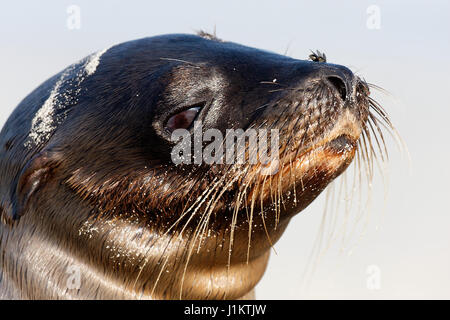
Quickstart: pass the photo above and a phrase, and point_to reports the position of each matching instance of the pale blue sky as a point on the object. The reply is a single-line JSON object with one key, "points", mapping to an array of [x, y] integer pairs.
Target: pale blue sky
{"points": [[408, 56]]}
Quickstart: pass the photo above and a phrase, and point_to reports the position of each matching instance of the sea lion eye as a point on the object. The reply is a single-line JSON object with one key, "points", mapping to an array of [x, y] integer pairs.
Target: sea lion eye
{"points": [[182, 120]]}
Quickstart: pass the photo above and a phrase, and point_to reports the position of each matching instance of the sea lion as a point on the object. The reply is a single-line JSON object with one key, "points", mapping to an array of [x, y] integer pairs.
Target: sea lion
{"points": [[93, 205]]}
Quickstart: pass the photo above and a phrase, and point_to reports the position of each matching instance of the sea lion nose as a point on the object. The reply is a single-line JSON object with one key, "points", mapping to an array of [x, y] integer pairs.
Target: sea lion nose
{"points": [[339, 84], [341, 79]]}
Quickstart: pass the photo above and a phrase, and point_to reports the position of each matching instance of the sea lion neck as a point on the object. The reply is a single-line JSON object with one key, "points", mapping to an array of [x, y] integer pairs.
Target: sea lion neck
{"points": [[122, 259], [186, 270]]}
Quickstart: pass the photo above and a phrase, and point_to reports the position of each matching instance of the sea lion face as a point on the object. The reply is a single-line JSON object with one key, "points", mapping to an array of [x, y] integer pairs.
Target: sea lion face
{"points": [[111, 156], [317, 110]]}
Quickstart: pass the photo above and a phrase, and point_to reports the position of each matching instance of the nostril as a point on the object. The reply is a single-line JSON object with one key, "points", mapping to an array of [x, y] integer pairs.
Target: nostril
{"points": [[339, 85]]}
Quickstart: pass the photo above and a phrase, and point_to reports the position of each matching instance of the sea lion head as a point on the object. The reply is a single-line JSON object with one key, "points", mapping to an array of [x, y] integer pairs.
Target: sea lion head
{"points": [[124, 163]]}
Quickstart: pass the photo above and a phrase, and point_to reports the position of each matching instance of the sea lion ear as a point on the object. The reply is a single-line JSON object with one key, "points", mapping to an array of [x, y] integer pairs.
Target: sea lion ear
{"points": [[32, 177]]}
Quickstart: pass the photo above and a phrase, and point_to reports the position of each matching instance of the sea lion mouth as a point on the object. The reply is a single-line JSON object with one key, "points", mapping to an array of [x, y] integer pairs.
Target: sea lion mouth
{"points": [[341, 144], [343, 138]]}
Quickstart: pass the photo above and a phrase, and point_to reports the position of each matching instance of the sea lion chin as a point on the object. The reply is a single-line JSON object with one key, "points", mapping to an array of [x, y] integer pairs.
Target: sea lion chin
{"points": [[89, 188]]}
